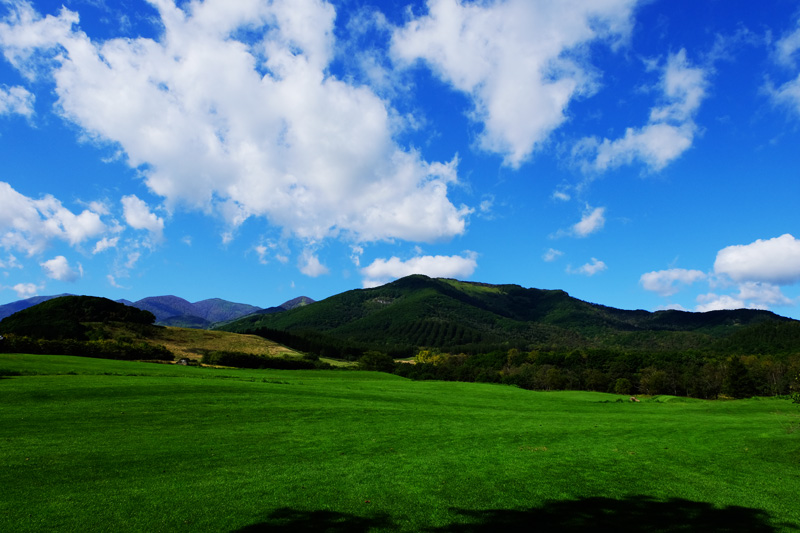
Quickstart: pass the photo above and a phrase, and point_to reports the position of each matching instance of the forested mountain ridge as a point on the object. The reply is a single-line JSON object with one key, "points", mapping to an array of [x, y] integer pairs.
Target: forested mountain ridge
{"points": [[456, 316]]}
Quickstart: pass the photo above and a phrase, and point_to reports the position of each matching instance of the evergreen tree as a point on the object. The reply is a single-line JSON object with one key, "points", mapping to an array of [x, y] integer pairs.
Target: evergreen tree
{"points": [[737, 382]]}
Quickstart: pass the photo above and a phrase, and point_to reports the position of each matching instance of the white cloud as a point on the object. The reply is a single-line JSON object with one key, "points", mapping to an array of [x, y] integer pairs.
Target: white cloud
{"points": [[310, 265], [113, 282], [16, 100], [58, 268], [261, 250], [593, 220], [788, 93], [277, 136], [11, 262], [104, 244], [561, 196], [138, 216], [552, 254], [589, 269], [382, 271], [486, 206], [763, 294], [775, 261], [26, 290], [665, 282], [787, 46], [357, 252], [670, 129], [520, 61], [715, 302], [29, 225]]}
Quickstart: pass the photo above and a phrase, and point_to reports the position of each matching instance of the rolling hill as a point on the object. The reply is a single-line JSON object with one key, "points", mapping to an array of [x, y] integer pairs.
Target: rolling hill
{"points": [[175, 311], [66, 318], [101, 327], [457, 316], [11, 308]]}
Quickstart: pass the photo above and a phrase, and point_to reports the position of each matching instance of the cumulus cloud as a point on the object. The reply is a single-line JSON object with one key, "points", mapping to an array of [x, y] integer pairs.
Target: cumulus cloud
{"points": [[589, 269], [763, 294], [670, 129], [29, 225], [16, 100], [593, 220], [774, 261], [519, 61], [311, 266], [750, 295], [382, 271], [58, 268], [715, 302], [138, 216], [667, 282], [276, 136], [26, 290]]}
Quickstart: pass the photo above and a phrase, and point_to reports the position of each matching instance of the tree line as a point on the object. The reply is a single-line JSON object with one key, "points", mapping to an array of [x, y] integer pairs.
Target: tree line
{"points": [[679, 374], [128, 350]]}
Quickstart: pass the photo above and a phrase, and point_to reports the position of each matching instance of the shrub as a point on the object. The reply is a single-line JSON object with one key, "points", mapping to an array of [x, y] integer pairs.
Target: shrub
{"points": [[376, 361], [249, 360]]}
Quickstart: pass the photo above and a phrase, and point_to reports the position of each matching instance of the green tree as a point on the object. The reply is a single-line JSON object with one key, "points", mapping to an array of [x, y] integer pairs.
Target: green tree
{"points": [[737, 382], [378, 361], [622, 386], [652, 381]]}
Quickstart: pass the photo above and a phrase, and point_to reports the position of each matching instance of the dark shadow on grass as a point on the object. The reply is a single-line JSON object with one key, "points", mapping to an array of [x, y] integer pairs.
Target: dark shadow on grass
{"points": [[637, 513], [295, 521]]}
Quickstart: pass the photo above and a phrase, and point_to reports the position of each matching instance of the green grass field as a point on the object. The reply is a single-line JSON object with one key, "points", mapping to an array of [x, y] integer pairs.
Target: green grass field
{"points": [[94, 445]]}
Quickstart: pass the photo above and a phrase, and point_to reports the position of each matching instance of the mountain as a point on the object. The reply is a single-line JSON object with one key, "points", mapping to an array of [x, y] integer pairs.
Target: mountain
{"points": [[174, 311], [164, 307], [300, 301], [457, 316], [19, 305], [218, 310]]}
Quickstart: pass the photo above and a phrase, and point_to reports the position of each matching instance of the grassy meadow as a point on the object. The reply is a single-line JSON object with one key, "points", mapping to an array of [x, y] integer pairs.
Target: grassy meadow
{"points": [[96, 445]]}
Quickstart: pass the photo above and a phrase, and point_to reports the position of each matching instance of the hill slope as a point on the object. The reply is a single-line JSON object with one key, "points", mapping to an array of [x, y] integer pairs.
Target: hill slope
{"points": [[11, 308], [452, 315], [65, 317]]}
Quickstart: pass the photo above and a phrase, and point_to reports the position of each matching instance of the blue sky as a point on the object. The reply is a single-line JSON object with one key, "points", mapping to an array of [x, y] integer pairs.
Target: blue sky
{"points": [[642, 155]]}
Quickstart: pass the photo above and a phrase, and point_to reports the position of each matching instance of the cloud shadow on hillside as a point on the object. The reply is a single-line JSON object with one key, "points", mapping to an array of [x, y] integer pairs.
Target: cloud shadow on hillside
{"points": [[636, 513], [632, 514], [295, 521]]}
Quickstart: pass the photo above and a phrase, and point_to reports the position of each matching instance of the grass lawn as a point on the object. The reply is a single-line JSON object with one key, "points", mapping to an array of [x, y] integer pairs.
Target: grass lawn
{"points": [[95, 445]]}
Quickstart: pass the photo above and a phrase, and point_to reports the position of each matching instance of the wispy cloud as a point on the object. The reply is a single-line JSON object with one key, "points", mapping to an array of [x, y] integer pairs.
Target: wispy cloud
{"points": [[670, 129]]}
